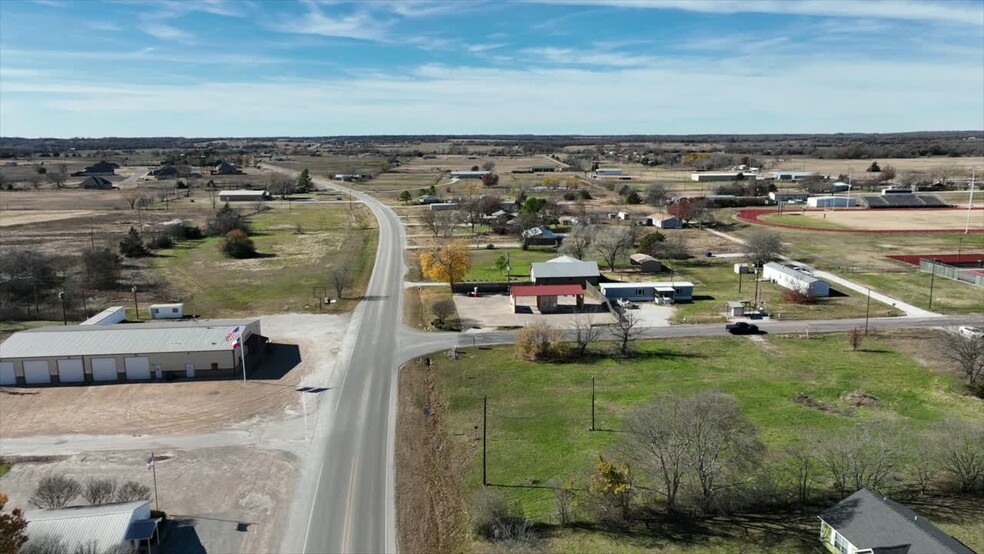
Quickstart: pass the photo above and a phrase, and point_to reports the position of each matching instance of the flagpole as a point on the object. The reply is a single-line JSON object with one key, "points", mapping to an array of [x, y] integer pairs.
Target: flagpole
{"points": [[242, 352], [153, 467]]}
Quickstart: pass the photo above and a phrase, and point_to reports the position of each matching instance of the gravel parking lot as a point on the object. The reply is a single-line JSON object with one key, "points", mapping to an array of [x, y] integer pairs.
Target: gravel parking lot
{"points": [[222, 499]]}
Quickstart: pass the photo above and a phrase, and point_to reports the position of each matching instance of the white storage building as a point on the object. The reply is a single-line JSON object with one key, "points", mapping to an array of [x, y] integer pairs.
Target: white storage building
{"points": [[109, 316], [795, 279], [167, 311], [96, 528], [127, 351], [243, 195]]}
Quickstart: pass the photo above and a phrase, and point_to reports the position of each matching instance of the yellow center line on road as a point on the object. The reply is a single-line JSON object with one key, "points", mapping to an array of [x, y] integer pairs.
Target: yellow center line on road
{"points": [[346, 527]]}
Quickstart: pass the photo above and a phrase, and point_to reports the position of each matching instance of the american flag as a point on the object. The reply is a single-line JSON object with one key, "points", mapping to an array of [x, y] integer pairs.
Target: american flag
{"points": [[233, 336]]}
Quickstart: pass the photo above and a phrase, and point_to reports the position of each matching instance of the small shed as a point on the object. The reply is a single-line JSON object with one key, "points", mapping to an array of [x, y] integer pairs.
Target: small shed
{"points": [[646, 263], [624, 216], [744, 268], [734, 308], [167, 311], [243, 195], [545, 295], [95, 182]]}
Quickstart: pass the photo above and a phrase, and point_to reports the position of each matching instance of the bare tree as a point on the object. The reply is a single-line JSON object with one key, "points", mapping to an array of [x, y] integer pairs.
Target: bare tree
{"points": [[855, 337], [656, 195], [35, 179], [944, 173], [443, 309], [135, 197], [801, 466], [612, 243], [961, 454], [585, 334], [59, 175], [99, 491], [132, 491], [55, 491], [702, 442], [339, 280], [439, 222], [966, 352], [577, 243], [281, 185], [625, 332], [763, 246], [488, 166], [866, 455]]}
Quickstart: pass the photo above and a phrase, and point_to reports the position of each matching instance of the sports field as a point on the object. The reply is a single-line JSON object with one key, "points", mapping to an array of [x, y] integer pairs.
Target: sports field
{"points": [[885, 221]]}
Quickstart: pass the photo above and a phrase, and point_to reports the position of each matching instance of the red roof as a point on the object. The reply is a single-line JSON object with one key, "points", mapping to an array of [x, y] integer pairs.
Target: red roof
{"points": [[546, 290]]}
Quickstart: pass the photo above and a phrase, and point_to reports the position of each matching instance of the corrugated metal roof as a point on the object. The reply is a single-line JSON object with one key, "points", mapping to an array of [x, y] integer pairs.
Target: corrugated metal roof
{"points": [[564, 266], [805, 278], [105, 525], [546, 290], [127, 338]]}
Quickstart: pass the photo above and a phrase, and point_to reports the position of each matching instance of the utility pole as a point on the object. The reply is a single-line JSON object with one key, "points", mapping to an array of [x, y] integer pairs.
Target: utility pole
{"points": [[153, 466], [592, 403], [970, 203], [740, 271], [931, 279], [756, 288], [485, 416], [136, 308], [867, 312]]}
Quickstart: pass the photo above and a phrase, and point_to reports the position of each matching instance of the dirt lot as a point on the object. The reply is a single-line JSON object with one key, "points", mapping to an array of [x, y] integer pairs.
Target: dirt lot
{"points": [[492, 311], [21, 217], [180, 407], [900, 220], [211, 494]]}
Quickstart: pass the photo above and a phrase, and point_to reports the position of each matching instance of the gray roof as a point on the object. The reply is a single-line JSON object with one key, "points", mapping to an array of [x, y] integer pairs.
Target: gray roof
{"points": [[564, 266], [201, 335], [869, 520], [795, 273], [106, 525]]}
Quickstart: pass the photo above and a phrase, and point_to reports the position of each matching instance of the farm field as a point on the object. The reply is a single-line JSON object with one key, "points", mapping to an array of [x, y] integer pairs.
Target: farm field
{"points": [[290, 266], [539, 416]]}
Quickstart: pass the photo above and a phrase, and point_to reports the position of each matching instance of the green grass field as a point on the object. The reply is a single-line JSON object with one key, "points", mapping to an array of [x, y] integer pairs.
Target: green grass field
{"points": [[801, 221], [539, 414], [4, 468], [291, 265], [519, 262]]}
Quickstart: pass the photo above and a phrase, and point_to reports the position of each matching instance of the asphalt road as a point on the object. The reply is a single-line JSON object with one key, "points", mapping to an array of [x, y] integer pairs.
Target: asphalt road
{"points": [[353, 508]]}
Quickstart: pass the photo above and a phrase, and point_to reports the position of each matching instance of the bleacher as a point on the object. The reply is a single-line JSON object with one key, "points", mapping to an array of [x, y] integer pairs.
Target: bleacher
{"points": [[902, 201]]}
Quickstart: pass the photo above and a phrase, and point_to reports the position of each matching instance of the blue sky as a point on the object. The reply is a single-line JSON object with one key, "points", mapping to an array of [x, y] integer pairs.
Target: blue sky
{"points": [[313, 68]]}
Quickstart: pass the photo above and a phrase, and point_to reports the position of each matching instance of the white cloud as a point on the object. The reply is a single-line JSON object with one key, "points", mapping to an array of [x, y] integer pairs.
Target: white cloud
{"points": [[357, 25], [571, 56], [673, 97], [164, 31], [485, 47], [106, 26], [951, 11]]}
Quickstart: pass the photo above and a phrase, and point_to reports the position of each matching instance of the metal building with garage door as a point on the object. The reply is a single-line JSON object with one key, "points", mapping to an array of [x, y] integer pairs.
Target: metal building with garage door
{"points": [[122, 352]]}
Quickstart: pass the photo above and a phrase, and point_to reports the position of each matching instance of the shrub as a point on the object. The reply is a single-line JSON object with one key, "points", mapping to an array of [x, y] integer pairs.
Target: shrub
{"points": [[492, 520], [443, 309], [584, 195], [633, 198], [132, 491], [539, 341], [101, 268], [162, 241], [132, 246], [225, 220], [570, 196], [797, 297], [55, 491], [237, 245], [99, 491]]}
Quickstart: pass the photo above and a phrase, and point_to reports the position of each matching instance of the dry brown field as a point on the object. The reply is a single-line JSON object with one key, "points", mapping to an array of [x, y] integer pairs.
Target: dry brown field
{"points": [[900, 220]]}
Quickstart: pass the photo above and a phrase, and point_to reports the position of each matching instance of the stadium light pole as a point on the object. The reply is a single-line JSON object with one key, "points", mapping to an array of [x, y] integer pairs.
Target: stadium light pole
{"points": [[932, 278], [970, 202]]}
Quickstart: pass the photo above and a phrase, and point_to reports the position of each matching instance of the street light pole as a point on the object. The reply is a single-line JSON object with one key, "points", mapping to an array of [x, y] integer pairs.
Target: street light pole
{"points": [[61, 296], [136, 308]]}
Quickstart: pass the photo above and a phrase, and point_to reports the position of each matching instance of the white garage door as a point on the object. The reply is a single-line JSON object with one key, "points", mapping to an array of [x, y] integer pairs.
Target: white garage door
{"points": [[137, 368], [104, 369], [7, 376], [36, 372], [70, 371]]}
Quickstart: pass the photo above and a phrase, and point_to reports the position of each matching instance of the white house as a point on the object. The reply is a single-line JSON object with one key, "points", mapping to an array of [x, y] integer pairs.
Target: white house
{"points": [[662, 292], [609, 171], [795, 279]]}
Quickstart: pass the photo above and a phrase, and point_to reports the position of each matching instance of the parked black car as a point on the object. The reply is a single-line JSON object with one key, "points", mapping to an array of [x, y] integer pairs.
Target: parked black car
{"points": [[742, 328]]}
